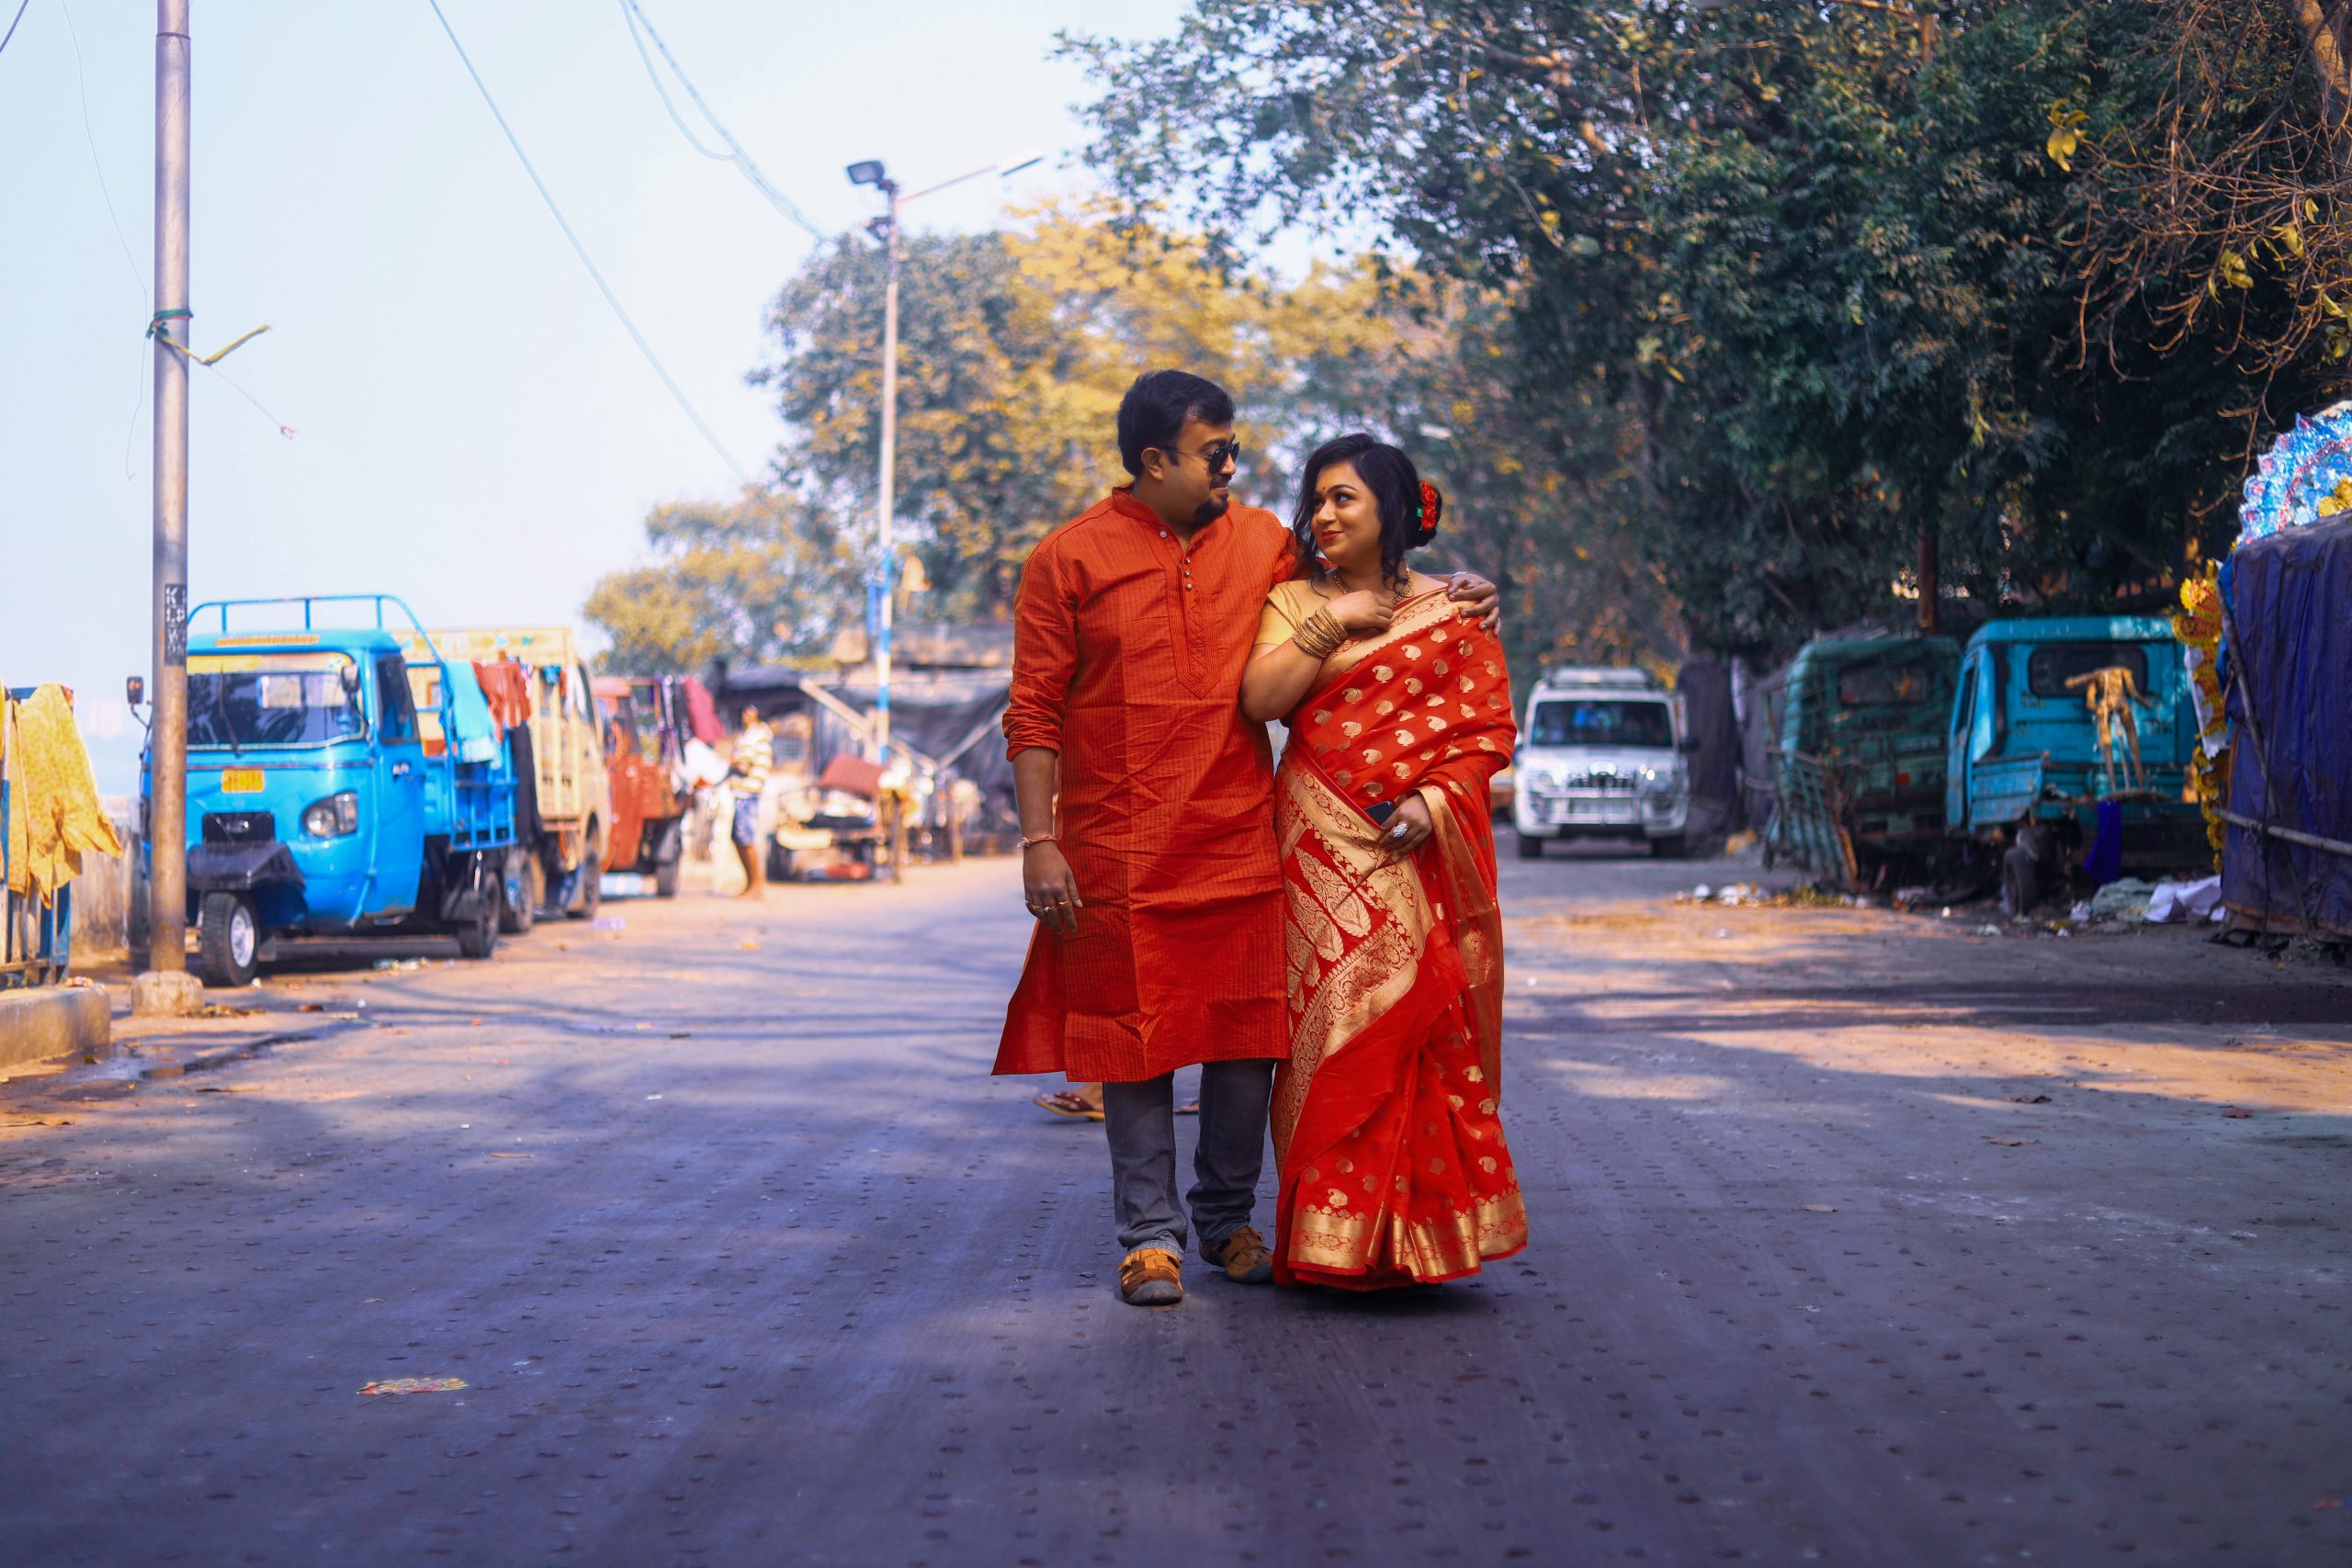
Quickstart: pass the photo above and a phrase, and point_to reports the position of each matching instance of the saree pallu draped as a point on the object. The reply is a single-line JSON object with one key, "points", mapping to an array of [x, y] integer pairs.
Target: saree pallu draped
{"points": [[1393, 1168]]}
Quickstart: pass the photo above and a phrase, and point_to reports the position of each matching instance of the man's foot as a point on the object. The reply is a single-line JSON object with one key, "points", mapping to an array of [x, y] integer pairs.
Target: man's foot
{"points": [[1073, 1102], [1151, 1277], [1244, 1256]]}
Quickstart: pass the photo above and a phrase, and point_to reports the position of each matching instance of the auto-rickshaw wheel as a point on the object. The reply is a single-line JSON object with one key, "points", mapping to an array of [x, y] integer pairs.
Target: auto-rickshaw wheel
{"points": [[526, 889], [228, 937], [665, 879]]}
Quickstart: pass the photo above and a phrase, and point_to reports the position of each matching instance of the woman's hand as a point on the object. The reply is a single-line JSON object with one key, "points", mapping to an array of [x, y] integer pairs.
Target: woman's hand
{"points": [[1048, 888], [1479, 600], [1408, 827], [1363, 611]]}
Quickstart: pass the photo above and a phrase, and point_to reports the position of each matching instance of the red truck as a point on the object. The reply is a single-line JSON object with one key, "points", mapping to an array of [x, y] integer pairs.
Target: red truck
{"points": [[647, 720]]}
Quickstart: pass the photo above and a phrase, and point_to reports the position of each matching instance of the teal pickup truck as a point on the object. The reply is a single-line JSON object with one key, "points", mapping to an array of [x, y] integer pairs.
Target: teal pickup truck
{"points": [[2054, 718], [321, 802]]}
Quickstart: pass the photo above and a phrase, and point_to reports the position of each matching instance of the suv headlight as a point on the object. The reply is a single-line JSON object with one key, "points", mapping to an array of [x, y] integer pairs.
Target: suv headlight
{"points": [[332, 817]]}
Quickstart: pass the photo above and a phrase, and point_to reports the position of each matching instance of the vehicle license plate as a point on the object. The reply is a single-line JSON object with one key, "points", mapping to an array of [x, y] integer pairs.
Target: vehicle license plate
{"points": [[240, 781]]}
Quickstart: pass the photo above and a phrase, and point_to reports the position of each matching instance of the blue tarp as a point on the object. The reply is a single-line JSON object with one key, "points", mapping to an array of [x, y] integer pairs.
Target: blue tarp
{"points": [[2290, 597], [473, 736]]}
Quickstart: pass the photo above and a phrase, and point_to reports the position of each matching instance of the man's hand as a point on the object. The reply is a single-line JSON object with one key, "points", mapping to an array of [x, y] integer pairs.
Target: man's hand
{"points": [[1048, 888], [1479, 601], [1407, 828]]}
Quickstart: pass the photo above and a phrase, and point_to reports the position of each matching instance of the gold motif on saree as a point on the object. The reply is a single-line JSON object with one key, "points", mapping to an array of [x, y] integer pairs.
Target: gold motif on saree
{"points": [[1345, 906], [1384, 674]]}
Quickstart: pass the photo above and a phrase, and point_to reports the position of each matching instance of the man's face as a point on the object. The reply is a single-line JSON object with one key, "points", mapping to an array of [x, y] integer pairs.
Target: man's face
{"points": [[751, 717], [1197, 471]]}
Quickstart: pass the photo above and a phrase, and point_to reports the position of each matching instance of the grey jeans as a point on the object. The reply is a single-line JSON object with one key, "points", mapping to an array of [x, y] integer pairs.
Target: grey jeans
{"points": [[1140, 1120]]}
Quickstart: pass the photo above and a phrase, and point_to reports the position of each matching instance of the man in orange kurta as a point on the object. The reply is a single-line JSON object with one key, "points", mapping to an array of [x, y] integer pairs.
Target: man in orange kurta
{"points": [[1156, 886]]}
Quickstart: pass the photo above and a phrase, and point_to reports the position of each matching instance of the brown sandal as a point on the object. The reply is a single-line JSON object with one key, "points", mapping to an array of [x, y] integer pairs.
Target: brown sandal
{"points": [[1068, 1102]]}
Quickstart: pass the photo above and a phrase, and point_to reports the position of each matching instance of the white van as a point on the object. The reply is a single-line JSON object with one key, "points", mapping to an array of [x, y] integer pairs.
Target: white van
{"points": [[1601, 755]]}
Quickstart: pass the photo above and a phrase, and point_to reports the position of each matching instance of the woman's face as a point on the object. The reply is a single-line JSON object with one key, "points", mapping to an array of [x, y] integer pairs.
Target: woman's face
{"points": [[1347, 519]]}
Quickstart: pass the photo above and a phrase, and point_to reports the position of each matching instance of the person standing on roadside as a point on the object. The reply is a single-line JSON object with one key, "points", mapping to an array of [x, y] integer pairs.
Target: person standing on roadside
{"points": [[747, 778], [1148, 836]]}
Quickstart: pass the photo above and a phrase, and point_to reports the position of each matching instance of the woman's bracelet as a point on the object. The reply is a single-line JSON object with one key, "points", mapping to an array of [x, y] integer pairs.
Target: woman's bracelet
{"points": [[1036, 839], [1320, 636]]}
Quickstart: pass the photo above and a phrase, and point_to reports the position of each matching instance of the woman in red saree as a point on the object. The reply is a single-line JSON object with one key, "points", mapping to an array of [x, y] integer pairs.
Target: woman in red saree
{"points": [[1394, 1169]]}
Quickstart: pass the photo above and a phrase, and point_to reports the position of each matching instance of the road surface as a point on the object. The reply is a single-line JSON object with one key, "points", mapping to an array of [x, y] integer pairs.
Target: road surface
{"points": [[744, 1259]]}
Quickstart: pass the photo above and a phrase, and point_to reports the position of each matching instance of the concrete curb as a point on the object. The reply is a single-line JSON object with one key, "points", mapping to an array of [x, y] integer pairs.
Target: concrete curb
{"points": [[44, 1022]]}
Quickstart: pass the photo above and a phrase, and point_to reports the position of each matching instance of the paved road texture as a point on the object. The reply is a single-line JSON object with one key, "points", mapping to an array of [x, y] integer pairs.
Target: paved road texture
{"points": [[1859, 1238]]}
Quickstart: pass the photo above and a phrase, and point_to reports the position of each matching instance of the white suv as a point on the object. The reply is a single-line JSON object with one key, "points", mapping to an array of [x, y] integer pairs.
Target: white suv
{"points": [[1601, 755]]}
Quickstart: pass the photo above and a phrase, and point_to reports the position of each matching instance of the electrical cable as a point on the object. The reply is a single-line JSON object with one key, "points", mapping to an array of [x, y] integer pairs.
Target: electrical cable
{"points": [[676, 392], [635, 17], [13, 21]]}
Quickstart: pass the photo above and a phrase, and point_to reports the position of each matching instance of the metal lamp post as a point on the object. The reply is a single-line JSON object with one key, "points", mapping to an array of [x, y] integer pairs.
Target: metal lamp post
{"points": [[870, 171]]}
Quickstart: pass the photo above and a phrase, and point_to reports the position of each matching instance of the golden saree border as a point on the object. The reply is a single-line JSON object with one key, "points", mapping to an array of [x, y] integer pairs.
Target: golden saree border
{"points": [[1447, 1246]]}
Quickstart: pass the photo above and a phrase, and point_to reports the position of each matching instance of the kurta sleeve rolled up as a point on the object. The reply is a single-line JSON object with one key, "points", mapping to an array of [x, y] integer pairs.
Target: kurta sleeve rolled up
{"points": [[1128, 649]]}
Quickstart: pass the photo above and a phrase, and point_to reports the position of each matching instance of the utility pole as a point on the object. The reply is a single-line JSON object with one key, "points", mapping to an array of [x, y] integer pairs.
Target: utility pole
{"points": [[167, 732], [887, 486]]}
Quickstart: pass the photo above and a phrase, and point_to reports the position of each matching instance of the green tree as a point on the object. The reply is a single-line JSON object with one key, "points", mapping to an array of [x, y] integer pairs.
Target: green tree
{"points": [[1797, 276], [761, 580]]}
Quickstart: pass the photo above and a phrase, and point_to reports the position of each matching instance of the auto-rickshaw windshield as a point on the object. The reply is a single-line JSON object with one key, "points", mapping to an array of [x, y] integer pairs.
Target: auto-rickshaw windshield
{"points": [[272, 699]]}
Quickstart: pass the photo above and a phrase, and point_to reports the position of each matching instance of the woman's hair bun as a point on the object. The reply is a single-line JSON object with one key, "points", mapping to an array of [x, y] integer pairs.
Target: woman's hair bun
{"points": [[1432, 509]]}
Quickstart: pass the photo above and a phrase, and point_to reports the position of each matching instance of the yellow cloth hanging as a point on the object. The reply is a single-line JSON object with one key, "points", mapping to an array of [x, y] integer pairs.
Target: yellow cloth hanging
{"points": [[53, 813]]}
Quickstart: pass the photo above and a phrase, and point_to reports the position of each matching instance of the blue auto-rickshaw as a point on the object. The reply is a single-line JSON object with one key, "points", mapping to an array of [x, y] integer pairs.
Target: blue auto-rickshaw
{"points": [[2067, 728], [320, 801]]}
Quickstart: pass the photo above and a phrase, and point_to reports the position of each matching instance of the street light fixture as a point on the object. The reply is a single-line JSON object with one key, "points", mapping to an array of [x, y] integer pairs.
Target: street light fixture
{"points": [[870, 171]]}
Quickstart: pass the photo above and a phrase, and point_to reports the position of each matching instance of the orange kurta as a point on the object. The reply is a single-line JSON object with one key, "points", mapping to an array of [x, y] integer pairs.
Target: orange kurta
{"points": [[1127, 658]]}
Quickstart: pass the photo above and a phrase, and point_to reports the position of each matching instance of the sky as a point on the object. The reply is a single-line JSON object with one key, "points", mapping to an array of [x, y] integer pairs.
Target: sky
{"points": [[474, 430]]}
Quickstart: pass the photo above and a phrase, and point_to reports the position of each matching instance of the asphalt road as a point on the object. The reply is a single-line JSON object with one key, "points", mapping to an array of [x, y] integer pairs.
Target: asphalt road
{"points": [[744, 1259]]}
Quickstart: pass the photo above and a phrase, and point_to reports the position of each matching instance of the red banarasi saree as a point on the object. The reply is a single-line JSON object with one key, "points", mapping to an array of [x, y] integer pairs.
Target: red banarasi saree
{"points": [[1394, 1169]]}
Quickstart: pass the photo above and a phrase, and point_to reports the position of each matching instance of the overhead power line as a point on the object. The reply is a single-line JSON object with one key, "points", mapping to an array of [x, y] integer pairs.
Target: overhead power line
{"points": [[13, 21], [635, 17], [580, 251]]}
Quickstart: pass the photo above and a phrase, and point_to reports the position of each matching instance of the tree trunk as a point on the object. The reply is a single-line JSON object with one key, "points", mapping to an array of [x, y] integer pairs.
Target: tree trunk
{"points": [[2323, 35], [1931, 573]]}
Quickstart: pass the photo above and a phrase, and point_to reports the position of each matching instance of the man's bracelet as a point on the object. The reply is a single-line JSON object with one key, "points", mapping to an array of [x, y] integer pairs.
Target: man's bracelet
{"points": [[1039, 839]]}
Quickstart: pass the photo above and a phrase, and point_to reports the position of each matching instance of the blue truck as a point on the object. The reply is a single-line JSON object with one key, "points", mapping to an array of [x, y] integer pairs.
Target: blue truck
{"points": [[2059, 721], [321, 802]]}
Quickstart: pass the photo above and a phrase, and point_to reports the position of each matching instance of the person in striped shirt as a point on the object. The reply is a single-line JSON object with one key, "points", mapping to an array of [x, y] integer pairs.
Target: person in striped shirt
{"points": [[747, 776]]}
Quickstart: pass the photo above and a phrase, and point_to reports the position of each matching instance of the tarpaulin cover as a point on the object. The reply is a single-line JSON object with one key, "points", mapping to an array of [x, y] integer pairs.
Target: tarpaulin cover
{"points": [[473, 734], [702, 713], [506, 686], [2290, 598]]}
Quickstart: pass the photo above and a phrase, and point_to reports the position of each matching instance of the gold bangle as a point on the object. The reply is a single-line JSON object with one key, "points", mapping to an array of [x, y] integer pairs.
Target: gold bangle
{"points": [[1320, 636]]}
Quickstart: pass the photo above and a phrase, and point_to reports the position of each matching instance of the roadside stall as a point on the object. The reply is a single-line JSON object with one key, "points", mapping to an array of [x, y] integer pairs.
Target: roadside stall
{"points": [[49, 818]]}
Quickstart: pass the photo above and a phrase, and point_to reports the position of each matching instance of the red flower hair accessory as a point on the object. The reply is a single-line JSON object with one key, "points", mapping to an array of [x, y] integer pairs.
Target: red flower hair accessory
{"points": [[1432, 507]]}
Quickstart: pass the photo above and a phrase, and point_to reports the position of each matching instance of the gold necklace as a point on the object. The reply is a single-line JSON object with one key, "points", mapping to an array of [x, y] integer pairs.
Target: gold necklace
{"points": [[1397, 595]]}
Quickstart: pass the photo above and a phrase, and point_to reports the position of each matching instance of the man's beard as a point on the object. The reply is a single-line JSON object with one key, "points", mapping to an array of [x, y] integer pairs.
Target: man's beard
{"points": [[1210, 511]]}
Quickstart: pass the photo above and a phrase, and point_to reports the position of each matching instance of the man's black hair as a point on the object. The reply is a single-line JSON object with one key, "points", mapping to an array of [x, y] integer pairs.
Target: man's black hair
{"points": [[1396, 489], [1156, 408]]}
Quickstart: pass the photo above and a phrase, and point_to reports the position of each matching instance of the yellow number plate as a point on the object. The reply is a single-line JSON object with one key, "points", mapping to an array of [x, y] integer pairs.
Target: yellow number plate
{"points": [[240, 781]]}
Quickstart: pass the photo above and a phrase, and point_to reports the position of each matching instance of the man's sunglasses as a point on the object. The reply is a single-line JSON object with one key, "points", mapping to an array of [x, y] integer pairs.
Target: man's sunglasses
{"points": [[1224, 455]]}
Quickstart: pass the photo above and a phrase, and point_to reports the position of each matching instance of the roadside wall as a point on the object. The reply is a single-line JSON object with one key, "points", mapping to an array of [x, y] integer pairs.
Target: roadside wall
{"points": [[104, 896]]}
